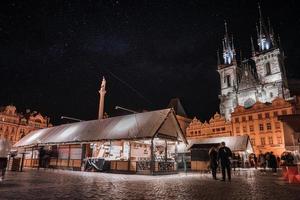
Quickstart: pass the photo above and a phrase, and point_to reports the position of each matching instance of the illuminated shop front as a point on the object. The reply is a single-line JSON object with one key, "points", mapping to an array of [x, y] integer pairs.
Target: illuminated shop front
{"points": [[143, 143]]}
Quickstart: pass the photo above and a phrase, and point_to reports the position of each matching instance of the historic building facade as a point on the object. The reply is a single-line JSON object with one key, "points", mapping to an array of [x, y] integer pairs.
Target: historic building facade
{"points": [[260, 122], [14, 125], [216, 127], [261, 78]]}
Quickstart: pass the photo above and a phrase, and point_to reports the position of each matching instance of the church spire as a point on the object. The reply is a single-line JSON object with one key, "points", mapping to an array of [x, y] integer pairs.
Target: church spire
{"points": [[264, 35], [218, 58], [252, 47], [228, 47]]}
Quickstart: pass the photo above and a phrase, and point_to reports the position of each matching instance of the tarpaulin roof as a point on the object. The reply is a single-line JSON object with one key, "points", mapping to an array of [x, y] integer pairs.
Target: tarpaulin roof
{"points": [[134, 126], [235, 143]]}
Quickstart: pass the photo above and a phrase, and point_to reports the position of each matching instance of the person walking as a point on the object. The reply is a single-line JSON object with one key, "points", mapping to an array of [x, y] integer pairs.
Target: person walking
{"points": [[224, 155], [262, 162], [4, 150], [213, 156], [273, 162]]}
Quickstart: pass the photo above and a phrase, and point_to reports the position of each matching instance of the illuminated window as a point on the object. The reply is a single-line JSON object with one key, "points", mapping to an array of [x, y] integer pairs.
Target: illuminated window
{"points": [[284, 112], [269, 126], [259, 116], [251, 127], [250, 118], [261, 127], [270, 140], [277, 125], [279, 140], [252, 141], [243, 119], [275, 114], [267, 115], [262, 141]]}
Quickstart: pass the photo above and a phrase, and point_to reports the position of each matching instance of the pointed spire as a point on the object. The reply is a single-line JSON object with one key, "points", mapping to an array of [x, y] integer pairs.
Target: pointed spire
{"points": [[252, 47], [218, 58], [225, 24]]}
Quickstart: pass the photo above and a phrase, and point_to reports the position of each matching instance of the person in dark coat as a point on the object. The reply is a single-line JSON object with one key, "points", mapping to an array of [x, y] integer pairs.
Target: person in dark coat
{"points": [[273, 162], [224, 154], [213, 156]]}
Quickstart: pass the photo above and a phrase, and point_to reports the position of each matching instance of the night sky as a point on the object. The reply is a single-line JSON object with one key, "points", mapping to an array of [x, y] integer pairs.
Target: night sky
{"points": [[53, 54]]}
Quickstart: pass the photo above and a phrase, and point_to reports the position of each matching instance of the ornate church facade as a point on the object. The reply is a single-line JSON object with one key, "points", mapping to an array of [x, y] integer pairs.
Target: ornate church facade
{"points": [[261, 78]]}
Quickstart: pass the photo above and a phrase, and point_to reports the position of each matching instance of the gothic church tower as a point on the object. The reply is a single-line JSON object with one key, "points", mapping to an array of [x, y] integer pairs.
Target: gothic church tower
{"points": [[228, 75]]}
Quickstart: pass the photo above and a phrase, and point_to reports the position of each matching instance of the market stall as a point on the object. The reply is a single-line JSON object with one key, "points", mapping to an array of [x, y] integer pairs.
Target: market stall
{"points": [[142, 143]]}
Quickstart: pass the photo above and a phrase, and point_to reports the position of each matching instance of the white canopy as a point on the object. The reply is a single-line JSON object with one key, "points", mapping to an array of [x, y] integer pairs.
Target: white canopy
{"points": [[162, 123]]}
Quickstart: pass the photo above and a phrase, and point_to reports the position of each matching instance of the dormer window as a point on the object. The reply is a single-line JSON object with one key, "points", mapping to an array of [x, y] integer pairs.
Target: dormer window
{"points": [[268, 68]]}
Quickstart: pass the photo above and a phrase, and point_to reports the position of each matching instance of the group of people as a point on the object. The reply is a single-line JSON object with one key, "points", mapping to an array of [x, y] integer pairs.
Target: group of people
{"points": [[269, 160], [220, 155]]}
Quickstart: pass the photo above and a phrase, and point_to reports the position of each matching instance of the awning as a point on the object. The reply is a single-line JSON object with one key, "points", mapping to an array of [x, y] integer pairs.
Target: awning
{"points": [[128, 127], [235, 143]]}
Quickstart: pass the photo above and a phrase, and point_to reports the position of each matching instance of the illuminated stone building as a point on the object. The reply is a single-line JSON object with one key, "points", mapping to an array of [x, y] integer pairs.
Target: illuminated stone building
{"points": [[14, 126], [217, 127], [260, 122], [261, 78]]}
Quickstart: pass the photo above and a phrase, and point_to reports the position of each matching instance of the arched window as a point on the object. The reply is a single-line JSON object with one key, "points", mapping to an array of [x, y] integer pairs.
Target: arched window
{"points": [[268, 68], [228, 80]]}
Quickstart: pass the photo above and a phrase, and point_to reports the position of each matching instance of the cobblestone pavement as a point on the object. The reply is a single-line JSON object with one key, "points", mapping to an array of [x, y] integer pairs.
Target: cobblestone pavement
{"points": [[59, 184]]}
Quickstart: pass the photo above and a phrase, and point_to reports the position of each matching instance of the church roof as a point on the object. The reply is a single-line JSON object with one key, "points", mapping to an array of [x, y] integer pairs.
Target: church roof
{"points": [[177, 107], [248, 79]]}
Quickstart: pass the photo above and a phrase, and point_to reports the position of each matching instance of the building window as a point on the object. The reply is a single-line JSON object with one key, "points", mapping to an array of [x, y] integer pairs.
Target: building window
{"points": [[270, 140], [268, 68], [228, 80], [271, 94], [259, 116], [213, 130], [245, 129], [243, 119], [192, 133], [218, 129], [267, 115], [250, 118], [251, 127], [275, 114], [269, 126], [284, 112], [262, 141], [237, 120], [237, 129], [277, 125], [279, 140], [261, 127], [252, 141], [223, 128]]}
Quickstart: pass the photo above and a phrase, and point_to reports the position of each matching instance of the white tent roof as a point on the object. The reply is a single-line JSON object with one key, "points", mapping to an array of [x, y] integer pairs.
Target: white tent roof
{"points": [[235, 143], [134, 126]]}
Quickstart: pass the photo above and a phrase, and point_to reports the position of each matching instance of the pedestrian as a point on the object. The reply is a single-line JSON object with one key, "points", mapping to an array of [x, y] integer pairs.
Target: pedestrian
{"points": [[255, 161], [4, 150], [262, 162], [213, 156], [273, 162], [42, 153], [224, 155]]}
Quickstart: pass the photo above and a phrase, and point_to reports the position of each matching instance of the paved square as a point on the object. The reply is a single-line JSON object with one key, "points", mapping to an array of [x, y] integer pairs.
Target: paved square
{"points": [[59, 184]]}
